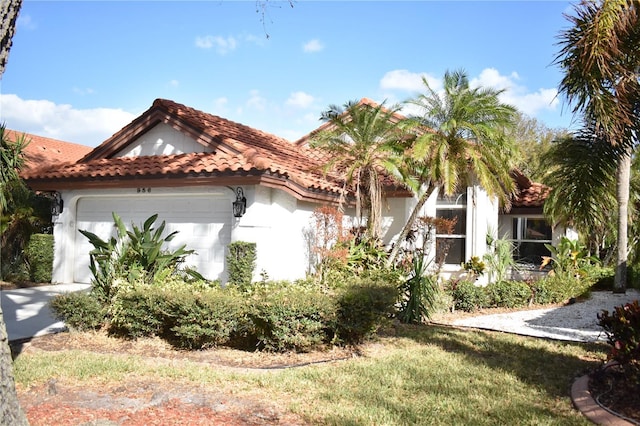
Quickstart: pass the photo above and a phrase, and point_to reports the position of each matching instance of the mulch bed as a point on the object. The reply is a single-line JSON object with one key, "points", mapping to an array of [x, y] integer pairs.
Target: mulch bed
{"points": [[612, 389]]}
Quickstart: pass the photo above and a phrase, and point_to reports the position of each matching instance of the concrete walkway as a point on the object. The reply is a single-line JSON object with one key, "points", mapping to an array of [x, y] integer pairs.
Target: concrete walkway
{"points": [[576, 322], [26, 311]]}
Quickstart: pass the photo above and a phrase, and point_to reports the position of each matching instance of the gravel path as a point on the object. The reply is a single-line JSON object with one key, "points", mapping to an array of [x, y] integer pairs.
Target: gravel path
{"points": [[576, 322]]}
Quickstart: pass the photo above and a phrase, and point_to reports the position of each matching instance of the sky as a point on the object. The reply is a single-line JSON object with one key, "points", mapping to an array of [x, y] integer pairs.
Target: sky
{"points": [[79, 71]]}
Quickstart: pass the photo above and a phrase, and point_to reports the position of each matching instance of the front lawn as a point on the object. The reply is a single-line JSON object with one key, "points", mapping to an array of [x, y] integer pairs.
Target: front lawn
{"points": [[411, 375]]}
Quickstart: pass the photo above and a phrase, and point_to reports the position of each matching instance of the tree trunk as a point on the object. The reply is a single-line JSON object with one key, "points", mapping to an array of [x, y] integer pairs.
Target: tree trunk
{"points": [[623, 177], [8, 14], [407, 227], [10, 412]]}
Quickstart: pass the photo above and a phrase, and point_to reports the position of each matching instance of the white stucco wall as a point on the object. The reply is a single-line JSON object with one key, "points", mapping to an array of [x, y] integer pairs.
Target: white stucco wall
{"points": [[275, 221], [162, 140]]}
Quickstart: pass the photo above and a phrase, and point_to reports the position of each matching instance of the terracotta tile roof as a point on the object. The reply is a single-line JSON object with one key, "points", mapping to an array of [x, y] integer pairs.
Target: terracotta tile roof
{"points": [[42, 151], [236, 148], [530, 194]]}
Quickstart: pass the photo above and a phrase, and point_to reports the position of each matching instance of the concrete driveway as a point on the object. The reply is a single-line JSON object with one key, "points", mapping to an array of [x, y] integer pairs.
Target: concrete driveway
{"points": [[26, 310]]}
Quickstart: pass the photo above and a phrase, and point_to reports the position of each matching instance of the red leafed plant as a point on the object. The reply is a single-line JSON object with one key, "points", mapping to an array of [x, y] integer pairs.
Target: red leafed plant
{"points": [[622, 327]]}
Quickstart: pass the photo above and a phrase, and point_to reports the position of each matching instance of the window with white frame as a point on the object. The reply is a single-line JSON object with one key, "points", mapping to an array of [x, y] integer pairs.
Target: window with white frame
{"points": [[530, 234], [454, 244]]}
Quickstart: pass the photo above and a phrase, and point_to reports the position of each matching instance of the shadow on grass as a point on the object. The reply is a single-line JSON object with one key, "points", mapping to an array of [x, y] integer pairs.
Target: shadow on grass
{"points": [[544, 364]]}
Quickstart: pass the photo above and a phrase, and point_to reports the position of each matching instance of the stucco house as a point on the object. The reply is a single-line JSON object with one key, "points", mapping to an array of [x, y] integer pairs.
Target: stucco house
{"points": [[190, 167]]}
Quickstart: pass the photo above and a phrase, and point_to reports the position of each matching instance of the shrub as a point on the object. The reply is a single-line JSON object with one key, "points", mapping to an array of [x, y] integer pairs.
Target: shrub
{"points": [[39, 254], [138, 310], [508, 294], [241, 263], [204, 319], [363, 307], [291, 318], [81, 311], [623, 334], [467, 296], [556, 289]]}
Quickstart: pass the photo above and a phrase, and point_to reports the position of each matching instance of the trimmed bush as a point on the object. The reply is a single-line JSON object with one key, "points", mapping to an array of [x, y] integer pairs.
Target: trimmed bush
{"points": [[39, 254], [363, 307], [80, 311], [508, 294], [200, 320], [138, 311], [241, 262], [291, 318], [557, 289], [468, 297]]}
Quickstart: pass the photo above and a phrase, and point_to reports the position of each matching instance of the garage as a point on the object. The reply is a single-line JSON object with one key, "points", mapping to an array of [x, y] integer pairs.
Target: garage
{"points": [[203, 223]]}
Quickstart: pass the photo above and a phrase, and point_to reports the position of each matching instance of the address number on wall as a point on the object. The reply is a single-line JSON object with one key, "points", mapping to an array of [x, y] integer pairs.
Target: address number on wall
{"points": [[144, 190]]}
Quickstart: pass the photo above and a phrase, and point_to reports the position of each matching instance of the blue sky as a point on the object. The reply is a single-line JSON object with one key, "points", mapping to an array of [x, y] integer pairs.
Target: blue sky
{"points": [[80, 71]]}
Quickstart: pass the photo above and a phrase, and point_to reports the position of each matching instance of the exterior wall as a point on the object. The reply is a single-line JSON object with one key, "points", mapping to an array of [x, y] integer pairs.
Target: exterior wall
{"points": [[276, 221], [162, 140]]}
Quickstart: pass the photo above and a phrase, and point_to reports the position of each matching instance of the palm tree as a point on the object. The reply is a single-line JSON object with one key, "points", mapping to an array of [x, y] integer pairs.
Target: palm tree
{"points": [[362, 142], [583, 195], [600, 57], [466, 140]]}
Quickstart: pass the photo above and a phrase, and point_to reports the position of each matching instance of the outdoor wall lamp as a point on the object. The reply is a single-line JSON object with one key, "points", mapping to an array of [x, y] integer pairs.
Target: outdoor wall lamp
{"points": [[240, 204], [56, 204]]}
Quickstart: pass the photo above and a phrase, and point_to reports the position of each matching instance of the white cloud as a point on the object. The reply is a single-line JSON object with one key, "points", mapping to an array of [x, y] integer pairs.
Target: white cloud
{"points": [[256, 101], [221, 44], [83, 92], [313, 46], [300, 100], [407, 81], [62, 121], [25, 21], [530, 103], [516, 94], [174, 83]]}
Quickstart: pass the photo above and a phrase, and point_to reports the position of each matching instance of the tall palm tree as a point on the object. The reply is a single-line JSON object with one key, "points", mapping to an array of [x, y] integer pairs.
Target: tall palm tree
{"points": [[600, 57], [362, 141], [583, 195], [466, 140]]}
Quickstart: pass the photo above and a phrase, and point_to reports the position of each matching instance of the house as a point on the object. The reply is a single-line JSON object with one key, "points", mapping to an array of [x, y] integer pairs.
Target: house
{"points": [[194, 169], [41, 151]]}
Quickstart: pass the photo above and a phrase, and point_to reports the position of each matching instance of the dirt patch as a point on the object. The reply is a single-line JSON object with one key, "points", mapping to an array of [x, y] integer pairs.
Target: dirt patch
{"points": [[611, 388], [135, 402]]}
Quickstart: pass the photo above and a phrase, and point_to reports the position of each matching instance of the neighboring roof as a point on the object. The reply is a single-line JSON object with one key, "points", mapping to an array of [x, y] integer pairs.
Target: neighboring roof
{"points": [[241, 155], [41, 151], [530, 194]]}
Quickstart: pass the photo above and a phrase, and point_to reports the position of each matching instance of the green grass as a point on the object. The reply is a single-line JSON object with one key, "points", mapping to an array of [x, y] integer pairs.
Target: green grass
{"points": [[422, 376]]}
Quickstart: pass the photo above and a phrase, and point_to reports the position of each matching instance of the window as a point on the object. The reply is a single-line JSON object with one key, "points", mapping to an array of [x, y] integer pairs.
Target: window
{"points": [[454, 244], [529, 237]]}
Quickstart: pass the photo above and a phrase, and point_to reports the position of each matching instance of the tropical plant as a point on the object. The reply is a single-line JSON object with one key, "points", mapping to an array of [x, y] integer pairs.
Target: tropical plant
{"points": [[363, 141], [499, 258], [133, 255], [569, 258], [418, 293], [600, 59], [581, 172], [465, 142]]}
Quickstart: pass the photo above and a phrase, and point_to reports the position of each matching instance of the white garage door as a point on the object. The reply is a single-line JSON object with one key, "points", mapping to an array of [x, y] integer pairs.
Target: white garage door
{"points": [[203, 224]]}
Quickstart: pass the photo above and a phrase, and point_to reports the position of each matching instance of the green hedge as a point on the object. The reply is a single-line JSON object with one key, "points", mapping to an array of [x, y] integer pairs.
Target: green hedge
{"points": [[274, 316], [39, 253], [80, 311]]}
